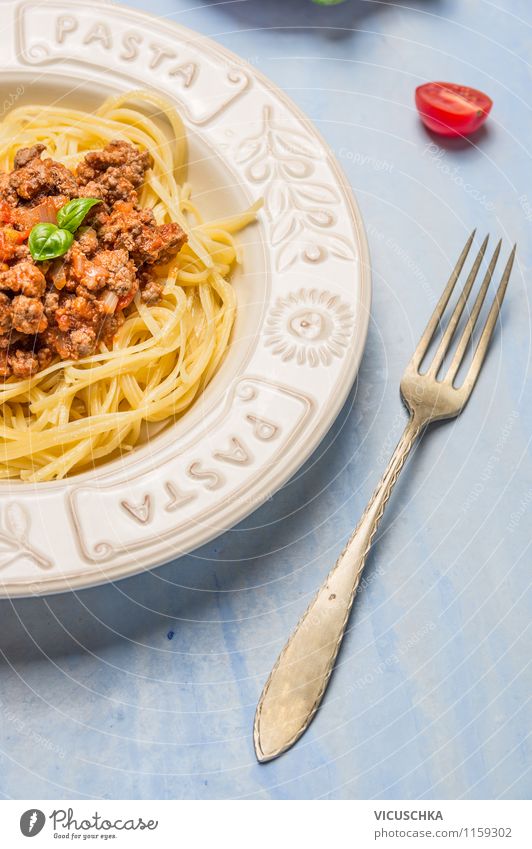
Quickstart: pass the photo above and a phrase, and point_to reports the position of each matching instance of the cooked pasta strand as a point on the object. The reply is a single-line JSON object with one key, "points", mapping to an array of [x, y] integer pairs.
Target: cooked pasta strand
{"points": [[75, 414]]}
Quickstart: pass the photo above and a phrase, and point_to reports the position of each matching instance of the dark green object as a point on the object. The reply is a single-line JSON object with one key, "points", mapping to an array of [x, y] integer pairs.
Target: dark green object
{"points": [[327, 2], [47, 241], [72, 214]]}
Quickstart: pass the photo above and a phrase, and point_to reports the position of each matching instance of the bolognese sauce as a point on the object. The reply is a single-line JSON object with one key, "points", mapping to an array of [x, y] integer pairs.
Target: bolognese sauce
{"points": [[65, 307]]}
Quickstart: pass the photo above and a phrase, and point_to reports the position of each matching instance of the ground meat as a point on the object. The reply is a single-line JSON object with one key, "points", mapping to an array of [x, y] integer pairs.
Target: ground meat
{"points": [[23, 277], [82, 342], [121, 273], [88, 241], [72, 345], [91, 276], [151, 288], [8, 194], [28, 315], [66, 306], [5, 314], [123, 228], [113, 173], [129, 162], [136, 231], [111, 270], [22, 253], [51, 303], [112, 324], [26, 154], [160, 244], [75, 312], [42, 177], [23, 363], [10, 339]]}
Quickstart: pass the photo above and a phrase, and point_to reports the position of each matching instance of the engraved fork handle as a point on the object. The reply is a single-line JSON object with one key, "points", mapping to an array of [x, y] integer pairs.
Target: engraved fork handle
{"points": [[298, 681]]}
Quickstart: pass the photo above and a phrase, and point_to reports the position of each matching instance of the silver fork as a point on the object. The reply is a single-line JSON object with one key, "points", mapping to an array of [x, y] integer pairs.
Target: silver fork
{"points": [[297, 683]]}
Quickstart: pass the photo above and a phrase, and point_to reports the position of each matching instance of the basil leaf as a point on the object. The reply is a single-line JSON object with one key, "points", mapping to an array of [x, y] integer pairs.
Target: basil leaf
{"points": [[47, 241], [72, 214]]}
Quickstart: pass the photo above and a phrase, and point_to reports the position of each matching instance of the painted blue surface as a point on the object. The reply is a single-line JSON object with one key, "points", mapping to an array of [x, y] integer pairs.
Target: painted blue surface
{"points": [[430, 699]]}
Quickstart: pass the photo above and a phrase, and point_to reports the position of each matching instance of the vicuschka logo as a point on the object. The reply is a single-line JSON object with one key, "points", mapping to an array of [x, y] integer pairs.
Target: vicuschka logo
{"points": [[32, 822]]}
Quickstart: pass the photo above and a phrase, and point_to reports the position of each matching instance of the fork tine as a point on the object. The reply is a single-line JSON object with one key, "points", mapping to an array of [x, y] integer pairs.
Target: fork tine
{"points": [[472, 320], [457, 312], [482, 347], [428, 333]]}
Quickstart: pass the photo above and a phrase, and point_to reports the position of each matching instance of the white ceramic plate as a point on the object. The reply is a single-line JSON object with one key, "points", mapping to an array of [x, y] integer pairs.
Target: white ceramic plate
{"points": [[303, 293]]}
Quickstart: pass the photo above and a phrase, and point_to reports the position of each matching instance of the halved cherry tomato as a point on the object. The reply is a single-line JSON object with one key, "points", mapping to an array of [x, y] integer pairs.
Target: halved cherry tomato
{"points": [[450, 109]]}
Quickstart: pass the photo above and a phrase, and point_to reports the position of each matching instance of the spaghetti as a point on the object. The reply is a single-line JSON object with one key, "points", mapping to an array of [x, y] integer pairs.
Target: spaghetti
{"points": [[75, 414]]}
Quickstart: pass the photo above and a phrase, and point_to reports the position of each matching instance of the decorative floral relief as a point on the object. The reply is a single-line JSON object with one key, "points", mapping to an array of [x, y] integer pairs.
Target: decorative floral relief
{"points": [[14, 543], [300, 209], [310, 326]]}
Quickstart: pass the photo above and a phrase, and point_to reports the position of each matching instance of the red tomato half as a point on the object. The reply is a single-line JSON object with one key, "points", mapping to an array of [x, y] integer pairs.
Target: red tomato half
{"points": [[450, 109]]}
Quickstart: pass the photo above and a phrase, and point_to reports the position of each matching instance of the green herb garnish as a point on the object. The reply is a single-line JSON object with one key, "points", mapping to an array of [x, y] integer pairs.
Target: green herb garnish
{"points": [[72, 214], [49, 241]]}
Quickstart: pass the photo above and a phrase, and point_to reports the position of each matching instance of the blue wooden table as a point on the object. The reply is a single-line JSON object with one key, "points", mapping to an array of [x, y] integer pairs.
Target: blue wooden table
{"points": [[147, 689]]}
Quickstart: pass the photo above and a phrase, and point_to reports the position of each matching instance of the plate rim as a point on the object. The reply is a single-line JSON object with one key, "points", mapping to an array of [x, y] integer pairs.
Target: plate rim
{"points": [[101, 574]]}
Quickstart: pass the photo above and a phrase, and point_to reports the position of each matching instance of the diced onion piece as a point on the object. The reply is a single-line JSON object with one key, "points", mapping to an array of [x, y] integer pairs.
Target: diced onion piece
{"points": [[109, 302], [44, 213], [78, 263], [57, 274], [47, 212]]}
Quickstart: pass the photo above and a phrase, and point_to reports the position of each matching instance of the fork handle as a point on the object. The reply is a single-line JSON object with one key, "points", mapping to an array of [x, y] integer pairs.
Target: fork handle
{"points": [[297, 683]]}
